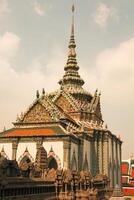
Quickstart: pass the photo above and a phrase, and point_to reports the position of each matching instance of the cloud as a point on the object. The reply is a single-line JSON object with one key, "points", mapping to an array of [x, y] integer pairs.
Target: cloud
{"points": [[18, 89], [104, 14], [116, 68], [38, 8], [9, 44], [4, 7], [114, 74]]}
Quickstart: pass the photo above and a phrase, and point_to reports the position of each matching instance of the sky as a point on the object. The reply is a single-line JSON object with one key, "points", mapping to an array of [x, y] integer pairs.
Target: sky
{"points": [[34, 37]]}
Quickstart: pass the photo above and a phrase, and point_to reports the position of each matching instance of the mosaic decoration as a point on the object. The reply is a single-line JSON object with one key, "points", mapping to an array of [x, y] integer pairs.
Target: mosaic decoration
{"points": [[64, 104], [37, 114]]}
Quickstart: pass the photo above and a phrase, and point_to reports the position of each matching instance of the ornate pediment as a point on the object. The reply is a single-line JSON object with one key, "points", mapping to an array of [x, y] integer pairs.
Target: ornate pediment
{"points": [[64, 102], [37, 113]]}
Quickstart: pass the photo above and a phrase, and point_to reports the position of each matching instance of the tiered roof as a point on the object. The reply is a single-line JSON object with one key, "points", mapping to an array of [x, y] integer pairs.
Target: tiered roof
{"points": [[70, 107]]}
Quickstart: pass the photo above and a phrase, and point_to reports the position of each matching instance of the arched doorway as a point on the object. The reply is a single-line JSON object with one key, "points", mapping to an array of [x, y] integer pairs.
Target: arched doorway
{"points": [[52, 163]]}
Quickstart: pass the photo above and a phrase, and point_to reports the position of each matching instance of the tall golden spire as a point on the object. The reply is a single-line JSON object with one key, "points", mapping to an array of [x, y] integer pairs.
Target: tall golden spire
{"points": [[71, 78], [72, 44], [73, 9]]}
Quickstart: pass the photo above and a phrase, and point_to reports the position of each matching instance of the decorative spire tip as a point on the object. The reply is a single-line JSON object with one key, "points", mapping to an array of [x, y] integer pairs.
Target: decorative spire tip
{"points": [[37, 94], [73, 8]]}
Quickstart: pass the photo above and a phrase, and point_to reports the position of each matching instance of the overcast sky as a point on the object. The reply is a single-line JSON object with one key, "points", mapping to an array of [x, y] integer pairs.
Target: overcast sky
{"points": [[34, 37]]}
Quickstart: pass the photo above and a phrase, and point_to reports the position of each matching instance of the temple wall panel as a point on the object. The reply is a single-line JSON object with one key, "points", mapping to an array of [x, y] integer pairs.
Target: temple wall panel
{"points": [[95, 163], [30, 146], [7, 149], [57, 147], [115, 164], [87, 150], [110, 162], [106, 154], [74, 147], [100, 152]]}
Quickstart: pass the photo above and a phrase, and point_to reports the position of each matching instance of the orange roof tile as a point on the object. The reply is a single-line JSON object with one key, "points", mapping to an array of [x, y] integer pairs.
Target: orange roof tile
{"points": [[30, 132]]}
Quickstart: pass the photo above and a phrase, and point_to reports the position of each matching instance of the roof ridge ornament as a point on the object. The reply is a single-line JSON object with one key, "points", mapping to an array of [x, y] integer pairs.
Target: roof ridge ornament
{"points": [[37, 94]]}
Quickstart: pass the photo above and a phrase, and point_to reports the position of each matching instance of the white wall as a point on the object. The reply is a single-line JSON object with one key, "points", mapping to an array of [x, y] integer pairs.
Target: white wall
{"points": [[31, 146], [7, 149], [74, 147]]}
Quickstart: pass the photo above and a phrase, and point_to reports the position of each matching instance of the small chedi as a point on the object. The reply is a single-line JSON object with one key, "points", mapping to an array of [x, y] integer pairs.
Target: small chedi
{"points": [[61, 137], [117, 194], [63, 184]]}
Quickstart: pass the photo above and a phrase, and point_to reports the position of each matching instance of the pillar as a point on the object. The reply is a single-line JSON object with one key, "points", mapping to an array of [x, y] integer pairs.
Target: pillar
{"points": [[95, 156], [110, 162], [115, 162], [119, 160], [14, 150], [100, 154], [105, 155], [80, 155], [66, 154]]}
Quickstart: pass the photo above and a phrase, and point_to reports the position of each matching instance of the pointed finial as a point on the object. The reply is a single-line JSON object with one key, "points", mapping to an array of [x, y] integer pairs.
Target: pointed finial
{"points": [[4, 129], [2, 150], [43, 91], [73, 8], [72, 28], [26, 150], [17, 118], [51, 150], [106, 127], [61, 87], [21, 115], [96, 91], [37, 94]]}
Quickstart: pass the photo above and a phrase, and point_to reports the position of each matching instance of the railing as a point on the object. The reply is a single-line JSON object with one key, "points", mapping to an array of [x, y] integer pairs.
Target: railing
{"points": [[26, 192]]}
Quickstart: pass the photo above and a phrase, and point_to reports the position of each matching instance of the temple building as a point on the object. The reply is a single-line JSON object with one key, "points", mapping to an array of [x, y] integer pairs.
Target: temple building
{"points": [[127, 168], [68, 124]]}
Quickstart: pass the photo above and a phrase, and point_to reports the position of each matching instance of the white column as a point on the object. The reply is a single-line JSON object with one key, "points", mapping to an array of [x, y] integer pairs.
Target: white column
{"points": [[105, 154], [14, 149], [66, 154]]}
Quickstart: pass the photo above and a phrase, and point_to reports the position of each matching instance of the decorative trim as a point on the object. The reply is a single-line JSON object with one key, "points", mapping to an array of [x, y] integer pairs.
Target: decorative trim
{"points": [[26, 153], [52, 154]]}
